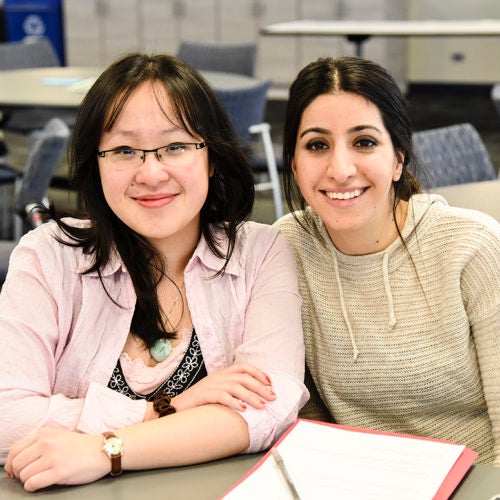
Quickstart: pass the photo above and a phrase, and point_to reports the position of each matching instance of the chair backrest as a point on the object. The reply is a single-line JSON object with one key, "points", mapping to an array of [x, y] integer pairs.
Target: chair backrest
{"points": [[452, 155], [245, 106], [29, 54], [45, 153], [44, 156], [239, 58], [6, 247], [495, 96]]}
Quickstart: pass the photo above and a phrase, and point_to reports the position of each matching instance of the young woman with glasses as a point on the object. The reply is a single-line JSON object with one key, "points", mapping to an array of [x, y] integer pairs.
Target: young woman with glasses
{"points": [[161, 329]]}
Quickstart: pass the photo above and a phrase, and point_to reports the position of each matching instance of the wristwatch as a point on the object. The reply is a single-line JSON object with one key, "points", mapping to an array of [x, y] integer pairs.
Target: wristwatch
{"points": [[113, 447]]}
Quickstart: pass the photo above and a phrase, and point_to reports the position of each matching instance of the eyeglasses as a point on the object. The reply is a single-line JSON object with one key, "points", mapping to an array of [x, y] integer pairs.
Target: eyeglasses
{"points": [[175, 154]]}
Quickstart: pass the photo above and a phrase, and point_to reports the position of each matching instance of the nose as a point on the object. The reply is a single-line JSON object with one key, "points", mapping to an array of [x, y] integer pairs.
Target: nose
{"points": [[341, 165], [152, 171]]}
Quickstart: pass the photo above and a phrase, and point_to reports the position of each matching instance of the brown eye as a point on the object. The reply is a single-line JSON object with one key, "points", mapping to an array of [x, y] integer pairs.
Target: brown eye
{"points": [[316, 146], [178, 148], [124, 152], [365, 143]]}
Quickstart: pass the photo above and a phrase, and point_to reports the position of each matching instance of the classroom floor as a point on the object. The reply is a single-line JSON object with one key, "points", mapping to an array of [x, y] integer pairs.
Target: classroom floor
{"points": [[430, 107]]}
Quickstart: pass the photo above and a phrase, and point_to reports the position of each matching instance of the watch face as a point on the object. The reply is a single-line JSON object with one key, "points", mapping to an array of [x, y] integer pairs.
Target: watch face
{"points": [[113, 446]]}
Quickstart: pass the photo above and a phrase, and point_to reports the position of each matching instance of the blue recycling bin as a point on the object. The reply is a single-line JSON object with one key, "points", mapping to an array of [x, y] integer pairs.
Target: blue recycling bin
{"points": [[35, 18]]}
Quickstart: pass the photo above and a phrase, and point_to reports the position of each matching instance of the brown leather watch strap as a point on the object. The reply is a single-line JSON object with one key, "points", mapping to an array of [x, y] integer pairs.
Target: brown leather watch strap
{"points": [[116, 459]]}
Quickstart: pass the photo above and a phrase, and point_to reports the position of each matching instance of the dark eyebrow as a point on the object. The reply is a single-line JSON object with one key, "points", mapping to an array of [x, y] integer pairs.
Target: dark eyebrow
{"points": [[324, 131], [316, 130], [359, 128]]}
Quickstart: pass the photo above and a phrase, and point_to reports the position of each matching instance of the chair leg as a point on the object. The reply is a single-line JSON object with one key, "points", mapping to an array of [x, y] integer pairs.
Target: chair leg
{"points": [[6, 204], [264, 130], [17, 220]]}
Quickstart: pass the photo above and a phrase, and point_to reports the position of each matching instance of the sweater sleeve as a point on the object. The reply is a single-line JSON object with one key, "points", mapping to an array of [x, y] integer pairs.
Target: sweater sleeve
{"points": [[481, 292]]}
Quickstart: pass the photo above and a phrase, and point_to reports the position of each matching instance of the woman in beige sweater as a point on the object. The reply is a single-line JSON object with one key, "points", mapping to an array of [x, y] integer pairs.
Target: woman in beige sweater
{"points": [[401, 292]]}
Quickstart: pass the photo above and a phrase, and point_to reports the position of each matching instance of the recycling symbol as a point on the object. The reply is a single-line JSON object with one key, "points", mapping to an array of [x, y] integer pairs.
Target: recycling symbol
{"points": [[33, 25]]}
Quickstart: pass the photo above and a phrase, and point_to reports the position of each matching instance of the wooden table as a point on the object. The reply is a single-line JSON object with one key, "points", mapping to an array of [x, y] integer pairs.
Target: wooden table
{"points": [[64, 87], [360, 31], [483, 196]]}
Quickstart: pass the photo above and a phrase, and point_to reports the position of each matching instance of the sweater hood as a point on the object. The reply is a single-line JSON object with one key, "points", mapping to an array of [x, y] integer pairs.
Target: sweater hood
{"points": [[388, 259]]}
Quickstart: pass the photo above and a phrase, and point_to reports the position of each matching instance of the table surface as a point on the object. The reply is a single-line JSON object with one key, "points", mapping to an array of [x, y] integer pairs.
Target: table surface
{"points": [[475, 27], [65, 86], [483, 196], [208, 481]]}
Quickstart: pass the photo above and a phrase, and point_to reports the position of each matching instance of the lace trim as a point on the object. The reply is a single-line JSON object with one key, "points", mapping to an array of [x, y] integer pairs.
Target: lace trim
{"points": [[189, 371], [139, 374]]}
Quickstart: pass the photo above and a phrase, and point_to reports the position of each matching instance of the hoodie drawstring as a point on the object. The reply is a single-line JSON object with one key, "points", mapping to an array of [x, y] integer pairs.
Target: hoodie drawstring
{"points": [[344, 310], [388, 293]]}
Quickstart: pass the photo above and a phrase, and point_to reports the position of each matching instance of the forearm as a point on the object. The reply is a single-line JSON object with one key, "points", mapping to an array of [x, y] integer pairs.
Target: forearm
{"points": [[56, 456], [196, 435], [23, 416], [101, 409]]}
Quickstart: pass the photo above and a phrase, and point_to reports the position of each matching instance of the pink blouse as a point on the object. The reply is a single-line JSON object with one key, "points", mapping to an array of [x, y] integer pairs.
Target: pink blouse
{"points": [[61, 335]]}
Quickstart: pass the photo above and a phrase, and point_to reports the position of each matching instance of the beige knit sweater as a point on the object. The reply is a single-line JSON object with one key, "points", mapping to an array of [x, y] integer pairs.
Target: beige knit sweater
{"points": [[401, 346]]}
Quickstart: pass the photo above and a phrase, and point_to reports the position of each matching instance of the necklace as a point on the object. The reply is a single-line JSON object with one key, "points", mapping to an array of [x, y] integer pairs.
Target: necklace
{"points": [[162, 348]]}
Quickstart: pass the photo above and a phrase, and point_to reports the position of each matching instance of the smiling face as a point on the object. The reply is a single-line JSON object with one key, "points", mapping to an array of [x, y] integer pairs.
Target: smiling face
{"points": [[159, 201], [344, 164]]}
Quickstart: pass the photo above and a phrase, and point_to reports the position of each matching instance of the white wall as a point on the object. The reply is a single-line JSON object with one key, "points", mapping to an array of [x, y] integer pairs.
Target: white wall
{"points": [[97, 31], [457, 59]]}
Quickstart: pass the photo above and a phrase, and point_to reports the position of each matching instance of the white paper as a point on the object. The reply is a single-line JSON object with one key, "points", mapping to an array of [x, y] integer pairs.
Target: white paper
{"points": [[326, 462]]}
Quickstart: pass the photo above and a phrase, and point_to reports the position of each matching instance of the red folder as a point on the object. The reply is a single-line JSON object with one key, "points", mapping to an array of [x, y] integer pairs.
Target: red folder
{"points": [[448, 486]]}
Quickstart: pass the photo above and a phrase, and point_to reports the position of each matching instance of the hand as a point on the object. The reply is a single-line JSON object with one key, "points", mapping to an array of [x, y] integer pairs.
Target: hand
{"points": [[57, 456], [236, 387]]}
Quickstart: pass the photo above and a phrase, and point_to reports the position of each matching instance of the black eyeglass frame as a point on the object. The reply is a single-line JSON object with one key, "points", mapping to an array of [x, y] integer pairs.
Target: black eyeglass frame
{"points": [[197, 145]]}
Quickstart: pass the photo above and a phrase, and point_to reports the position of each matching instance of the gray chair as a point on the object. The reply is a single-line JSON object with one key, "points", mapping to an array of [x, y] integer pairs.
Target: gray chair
{"points": [[30, 186], [495, 96], [37, 53], [33, 53], [6, 248], [246, 108], [454, 154], [239, 58]]}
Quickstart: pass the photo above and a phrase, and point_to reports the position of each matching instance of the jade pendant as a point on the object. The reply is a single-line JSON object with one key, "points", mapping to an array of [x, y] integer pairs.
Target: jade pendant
{"points": [[160, 350]]}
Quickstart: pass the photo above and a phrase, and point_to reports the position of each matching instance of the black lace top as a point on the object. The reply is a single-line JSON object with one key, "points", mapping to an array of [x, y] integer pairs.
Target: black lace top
{"points": [[191, 369]]}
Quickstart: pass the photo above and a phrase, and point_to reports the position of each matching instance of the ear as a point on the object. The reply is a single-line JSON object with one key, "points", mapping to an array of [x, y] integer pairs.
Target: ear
{"points": [[398, 168], [211, 170], [294, 170]]}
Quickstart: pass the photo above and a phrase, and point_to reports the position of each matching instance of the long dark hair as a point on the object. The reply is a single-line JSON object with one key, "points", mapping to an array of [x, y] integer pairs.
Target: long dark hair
{"points": [[358, 76], [231, 188]]}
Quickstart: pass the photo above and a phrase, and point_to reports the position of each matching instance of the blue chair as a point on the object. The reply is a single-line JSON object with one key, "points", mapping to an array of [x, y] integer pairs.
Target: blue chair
{"points": [[30, 186], [239, 58], [8, 178], [246, 108], [37, 53], [45, 154], [495, 96], [454, 154]]}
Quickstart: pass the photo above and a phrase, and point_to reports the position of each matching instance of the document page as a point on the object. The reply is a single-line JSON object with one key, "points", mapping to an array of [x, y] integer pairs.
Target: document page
{"points": [[325, 461]]}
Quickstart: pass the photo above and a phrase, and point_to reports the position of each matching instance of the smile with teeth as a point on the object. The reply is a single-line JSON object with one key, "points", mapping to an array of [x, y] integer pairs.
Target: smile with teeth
{"points": [[343, 196]]}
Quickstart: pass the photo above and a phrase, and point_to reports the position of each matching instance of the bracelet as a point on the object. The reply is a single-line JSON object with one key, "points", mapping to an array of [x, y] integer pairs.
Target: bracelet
{"points": [[161, 404]]}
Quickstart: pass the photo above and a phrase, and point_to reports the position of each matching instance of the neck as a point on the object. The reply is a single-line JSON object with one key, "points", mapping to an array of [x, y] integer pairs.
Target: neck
{"points": [[176, 252]]}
